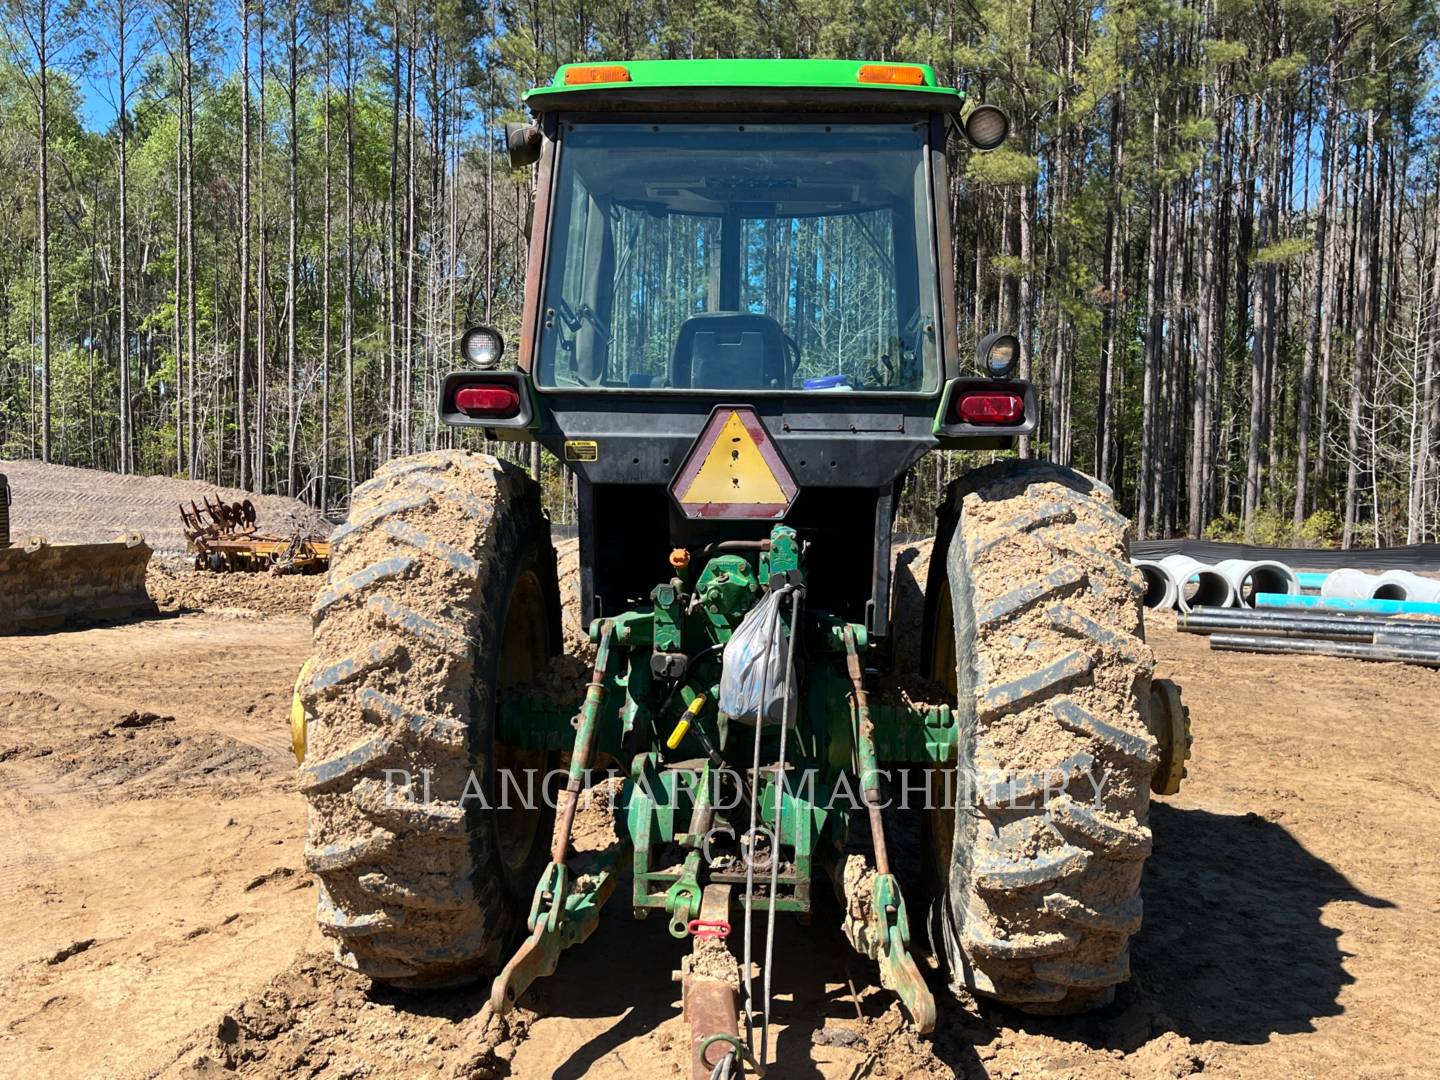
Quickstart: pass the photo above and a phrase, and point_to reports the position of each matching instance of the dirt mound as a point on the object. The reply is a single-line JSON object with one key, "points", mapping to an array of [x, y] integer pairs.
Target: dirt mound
{"points": [[317, 1018], [567, 566], [894, 1050], [240, 595], [594, 829], [156, 763], [67, 505]]}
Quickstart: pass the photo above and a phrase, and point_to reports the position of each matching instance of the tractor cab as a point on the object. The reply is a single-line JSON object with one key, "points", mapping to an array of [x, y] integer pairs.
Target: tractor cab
{"points": [[754, 247]]}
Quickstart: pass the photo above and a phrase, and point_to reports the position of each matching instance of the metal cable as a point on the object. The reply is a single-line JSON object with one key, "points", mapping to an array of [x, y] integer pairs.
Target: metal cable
{"points": [[750, 836], [779, 819]]}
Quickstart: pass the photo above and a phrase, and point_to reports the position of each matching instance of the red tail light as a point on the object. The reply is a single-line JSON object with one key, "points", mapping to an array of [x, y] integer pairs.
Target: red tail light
{"points": [[494, 402], [990, 407]]}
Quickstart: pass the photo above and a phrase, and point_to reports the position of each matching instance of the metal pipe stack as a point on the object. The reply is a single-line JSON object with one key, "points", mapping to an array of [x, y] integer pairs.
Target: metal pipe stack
{"points": [[1316, 633]]}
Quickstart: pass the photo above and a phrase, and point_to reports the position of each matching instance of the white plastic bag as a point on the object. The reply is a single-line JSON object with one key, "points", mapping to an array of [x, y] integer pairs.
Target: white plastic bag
{"points": [[743, 697]]}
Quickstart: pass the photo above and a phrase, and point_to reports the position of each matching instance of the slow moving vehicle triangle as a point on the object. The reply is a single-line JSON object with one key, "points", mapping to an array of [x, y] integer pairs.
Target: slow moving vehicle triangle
{"points": [[734, 470]]}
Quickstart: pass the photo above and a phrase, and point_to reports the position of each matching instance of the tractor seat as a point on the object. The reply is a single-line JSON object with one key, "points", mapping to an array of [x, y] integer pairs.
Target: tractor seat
{"points": [[729, 350]]}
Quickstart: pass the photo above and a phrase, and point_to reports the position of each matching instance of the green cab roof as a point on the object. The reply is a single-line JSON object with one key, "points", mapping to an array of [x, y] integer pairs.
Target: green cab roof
{"points": [[776, 84]]}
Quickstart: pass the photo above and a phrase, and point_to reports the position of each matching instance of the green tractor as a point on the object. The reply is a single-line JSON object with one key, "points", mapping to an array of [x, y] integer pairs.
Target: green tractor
{"points": [[740, 337]]}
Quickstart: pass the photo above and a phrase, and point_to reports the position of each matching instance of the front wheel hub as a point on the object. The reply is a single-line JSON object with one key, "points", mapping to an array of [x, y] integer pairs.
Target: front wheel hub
{"points": [[1169, 724]]}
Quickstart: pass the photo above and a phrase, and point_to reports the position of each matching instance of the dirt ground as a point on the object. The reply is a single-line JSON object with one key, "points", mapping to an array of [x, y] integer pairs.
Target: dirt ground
{"points": [[155, 919]]}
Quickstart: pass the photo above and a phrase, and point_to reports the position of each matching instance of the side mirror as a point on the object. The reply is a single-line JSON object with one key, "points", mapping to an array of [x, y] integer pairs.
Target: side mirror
{"points": [[523, 143]]}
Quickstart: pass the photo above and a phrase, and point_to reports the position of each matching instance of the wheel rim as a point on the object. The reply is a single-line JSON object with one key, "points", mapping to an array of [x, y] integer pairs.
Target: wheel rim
{"points": [[524, 650]]}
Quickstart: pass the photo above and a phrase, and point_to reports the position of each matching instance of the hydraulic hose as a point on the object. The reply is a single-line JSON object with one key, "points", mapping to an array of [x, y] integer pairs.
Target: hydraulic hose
{"points": [[779, 818]]}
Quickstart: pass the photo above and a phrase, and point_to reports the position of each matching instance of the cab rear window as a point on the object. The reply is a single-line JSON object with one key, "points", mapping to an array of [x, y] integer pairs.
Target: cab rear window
{"points": [[717, 256]]}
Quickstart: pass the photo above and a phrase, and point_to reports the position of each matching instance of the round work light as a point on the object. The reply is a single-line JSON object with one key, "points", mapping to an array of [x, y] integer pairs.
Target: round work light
{"points": [[986, 127], [998, 355], [481, 347]]}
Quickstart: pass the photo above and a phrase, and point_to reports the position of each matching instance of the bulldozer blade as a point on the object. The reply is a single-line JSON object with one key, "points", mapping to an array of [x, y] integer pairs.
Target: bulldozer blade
{"points": [[45, 586]]}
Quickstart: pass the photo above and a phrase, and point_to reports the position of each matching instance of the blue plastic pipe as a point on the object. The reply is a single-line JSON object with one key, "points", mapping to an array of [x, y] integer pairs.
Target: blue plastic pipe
{"points": [[1311, 581], [1335, 603]]}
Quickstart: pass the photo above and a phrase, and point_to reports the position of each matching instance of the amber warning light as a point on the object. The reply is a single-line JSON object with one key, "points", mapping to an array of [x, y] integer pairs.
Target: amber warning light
{"points": [[585, 74], [894, 74]]}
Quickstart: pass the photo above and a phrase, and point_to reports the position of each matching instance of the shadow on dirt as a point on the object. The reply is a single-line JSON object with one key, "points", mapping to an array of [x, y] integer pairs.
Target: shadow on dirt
{"points": [[638, 956], [80, 623], [1233, 940], [806, 959], [814, 970], [1233, 948]]}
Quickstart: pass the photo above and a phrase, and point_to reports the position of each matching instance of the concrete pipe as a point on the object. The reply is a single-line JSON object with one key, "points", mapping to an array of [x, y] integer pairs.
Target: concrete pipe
{"points": [[1197, 584], [1403, 585], [1160, 591], [1348, 585], [1250, 577]]}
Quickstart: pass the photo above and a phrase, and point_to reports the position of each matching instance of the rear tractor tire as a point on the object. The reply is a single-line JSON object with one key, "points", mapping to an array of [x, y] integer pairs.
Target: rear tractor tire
{"points": [[441, 592], [1034, 622]]}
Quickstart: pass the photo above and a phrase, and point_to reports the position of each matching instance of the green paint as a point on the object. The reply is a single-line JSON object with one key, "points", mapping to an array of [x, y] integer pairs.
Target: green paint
{"points": [[727, 589], [668, 617], [914, 734], [783, 558], [681, 75], [662, 813]]}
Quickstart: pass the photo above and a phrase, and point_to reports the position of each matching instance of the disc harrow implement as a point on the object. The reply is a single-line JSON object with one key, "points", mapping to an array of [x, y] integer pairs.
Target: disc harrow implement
{"points": [[225, 537]]}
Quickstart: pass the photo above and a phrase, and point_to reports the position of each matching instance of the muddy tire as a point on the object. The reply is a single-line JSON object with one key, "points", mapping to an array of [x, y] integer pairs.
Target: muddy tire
{"points": [[1034, 621], [441, 592]]}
